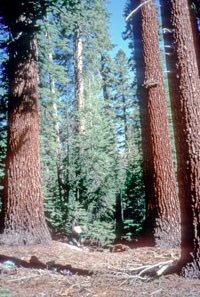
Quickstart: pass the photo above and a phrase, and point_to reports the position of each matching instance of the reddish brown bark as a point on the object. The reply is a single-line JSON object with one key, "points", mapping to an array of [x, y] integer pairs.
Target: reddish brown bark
{"points": [[24, 221], [196, 33], [186, 111], [135, 27], [164, 205]]}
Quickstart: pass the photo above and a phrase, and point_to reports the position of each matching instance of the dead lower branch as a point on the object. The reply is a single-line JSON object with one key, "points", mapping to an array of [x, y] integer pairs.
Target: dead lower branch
{"points": [[136, 9]]}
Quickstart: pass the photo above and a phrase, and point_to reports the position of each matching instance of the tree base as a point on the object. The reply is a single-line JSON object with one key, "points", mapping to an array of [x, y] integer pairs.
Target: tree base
{"points": [[167, 237], [167, 242], [14, 238], [191, 270], [187, 268]]}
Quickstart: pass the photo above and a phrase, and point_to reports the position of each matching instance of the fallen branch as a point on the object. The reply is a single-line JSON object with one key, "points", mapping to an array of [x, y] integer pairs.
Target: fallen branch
{"points": [[138, 271], [166, 263], [124, 276], [155, 292]]}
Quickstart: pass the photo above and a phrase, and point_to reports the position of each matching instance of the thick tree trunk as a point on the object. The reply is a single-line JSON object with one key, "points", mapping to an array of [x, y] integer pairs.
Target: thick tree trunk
{"points": [[196, 33], [138, 56], [164, 203], [24, 221], [186, 107]]}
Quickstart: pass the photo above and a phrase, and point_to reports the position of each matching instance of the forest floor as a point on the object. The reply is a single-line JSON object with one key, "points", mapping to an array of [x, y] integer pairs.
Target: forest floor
{"points": [[60, 270]]}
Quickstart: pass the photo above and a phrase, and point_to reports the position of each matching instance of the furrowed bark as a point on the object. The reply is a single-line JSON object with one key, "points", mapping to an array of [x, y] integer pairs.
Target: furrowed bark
{"points": [[23, 214], [163, 206]]}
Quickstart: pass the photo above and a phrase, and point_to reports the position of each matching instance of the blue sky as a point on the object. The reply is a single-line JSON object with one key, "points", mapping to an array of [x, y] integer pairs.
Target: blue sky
{"points": [[117, 24]]}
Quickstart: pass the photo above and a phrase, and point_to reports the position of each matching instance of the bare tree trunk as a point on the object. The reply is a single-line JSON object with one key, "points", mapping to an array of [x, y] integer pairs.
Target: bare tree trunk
{"points": [[105, 87], [59, 164], [164, 204], [79, 100], [23, 213], [79, 82], [125, 120], [186, 107]]}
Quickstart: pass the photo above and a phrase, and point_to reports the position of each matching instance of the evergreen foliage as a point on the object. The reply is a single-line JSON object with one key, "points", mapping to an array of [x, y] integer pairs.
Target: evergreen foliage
{"points": [[124, 104], [90, 172], [52, 82], [96, 165], [83, 174], [134, 201], [196, 8], [3, 101]]}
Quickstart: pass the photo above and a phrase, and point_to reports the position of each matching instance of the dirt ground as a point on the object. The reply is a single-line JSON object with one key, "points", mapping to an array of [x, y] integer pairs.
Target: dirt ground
{"points": [[61, 269]]}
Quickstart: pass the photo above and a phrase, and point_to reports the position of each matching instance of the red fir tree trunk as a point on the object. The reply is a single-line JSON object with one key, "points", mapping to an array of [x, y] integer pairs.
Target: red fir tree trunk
{"points": [[138, 56], [164, 205], [186, 111], [24, 220], [196, 33]]}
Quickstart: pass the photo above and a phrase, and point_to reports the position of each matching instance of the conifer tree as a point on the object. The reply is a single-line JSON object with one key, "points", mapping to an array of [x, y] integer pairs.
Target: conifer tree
{"points": [[107, 76], [3, 104], [126, 120], [124, 105], [23, 215], [185, 88], [163, 206], [134, 34], [79, 80], [51, 75], [77, 148], [96, 174]]}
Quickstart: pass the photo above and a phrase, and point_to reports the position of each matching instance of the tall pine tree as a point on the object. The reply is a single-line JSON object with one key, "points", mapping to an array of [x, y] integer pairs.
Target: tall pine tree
{"points": [[23, 214]]}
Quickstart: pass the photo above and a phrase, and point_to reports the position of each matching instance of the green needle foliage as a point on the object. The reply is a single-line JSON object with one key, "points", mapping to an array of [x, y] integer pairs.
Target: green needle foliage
{"points": [[85, 173], [3, 102]]}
